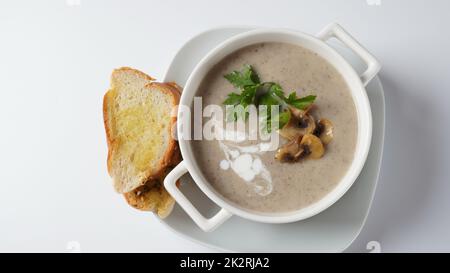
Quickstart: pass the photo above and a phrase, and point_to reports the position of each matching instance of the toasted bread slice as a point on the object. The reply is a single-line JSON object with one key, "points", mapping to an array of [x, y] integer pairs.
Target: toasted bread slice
{"points": [[139, 122], [152, 196]]}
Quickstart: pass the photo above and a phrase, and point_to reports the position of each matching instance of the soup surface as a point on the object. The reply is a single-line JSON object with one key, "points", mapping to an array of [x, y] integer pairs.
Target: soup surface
{"points": [[277, 186]]}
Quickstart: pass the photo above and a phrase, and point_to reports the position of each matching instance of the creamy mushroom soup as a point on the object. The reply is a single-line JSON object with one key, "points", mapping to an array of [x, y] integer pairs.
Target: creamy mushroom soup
{"points": [[247, 173]]}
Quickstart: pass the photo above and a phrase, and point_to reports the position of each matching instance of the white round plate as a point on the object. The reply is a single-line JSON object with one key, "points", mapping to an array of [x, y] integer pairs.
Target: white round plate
{"points": [[330, 231]]}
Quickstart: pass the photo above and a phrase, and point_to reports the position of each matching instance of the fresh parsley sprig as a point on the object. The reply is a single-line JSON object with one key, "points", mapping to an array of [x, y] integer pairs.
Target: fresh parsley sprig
{"points": [[253, 91], [243, 78], [300, 103]]}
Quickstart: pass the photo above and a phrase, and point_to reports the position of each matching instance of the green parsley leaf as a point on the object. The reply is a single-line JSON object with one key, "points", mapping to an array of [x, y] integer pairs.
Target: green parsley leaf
{"points": [[267, 94], [243, 78], [268, 99], [241, 102], [276, 89], [272, 94], [232, 99], [241, 112], [300, 103], [248, 94], [283, 118]]}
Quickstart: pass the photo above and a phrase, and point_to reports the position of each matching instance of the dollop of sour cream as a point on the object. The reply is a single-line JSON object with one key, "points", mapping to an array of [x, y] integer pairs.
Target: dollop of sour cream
{"points": [[247, 164]]}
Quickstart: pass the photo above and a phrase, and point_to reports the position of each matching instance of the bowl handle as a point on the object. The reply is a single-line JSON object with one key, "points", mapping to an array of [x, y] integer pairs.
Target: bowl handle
{"points": [[335, 30], [204, 223]]}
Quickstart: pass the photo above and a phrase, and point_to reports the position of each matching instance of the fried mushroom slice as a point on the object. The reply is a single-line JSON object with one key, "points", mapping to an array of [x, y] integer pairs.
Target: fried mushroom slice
{"points": [[324, 130], [300, 123], [312, 147], [290, 152]]}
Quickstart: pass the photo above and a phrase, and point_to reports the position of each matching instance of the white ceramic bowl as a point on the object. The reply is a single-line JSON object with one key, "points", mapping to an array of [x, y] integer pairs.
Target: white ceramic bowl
{"points": [[356, 85]]}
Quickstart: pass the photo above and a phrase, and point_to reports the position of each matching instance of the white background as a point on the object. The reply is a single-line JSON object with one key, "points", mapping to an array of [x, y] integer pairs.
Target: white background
{"points": [[55, 61]]}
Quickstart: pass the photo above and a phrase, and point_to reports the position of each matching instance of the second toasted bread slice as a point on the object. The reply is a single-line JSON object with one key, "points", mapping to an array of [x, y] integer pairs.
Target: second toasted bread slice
{"points": [[152, 196], [139, 127]]}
